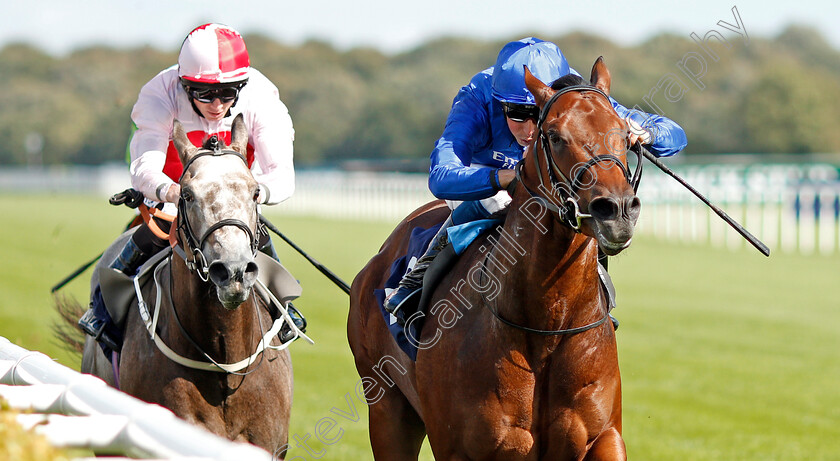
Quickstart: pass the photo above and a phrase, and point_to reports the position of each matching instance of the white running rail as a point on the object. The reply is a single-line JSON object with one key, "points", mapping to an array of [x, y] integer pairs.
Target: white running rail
{"points": [[81, 411]]}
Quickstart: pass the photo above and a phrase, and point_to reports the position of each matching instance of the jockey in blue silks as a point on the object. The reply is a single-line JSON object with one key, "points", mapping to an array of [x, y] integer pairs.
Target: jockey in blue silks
{"points": [[491, 121]]}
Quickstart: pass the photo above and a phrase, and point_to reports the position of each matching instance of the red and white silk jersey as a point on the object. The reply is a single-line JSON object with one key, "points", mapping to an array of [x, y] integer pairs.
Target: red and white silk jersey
{"points": [[154, 161]]}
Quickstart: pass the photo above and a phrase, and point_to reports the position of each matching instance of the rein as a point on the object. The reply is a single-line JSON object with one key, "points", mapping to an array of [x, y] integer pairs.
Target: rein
{"points": [[566, 331], [568, 210], [228, 368], [151, 321], [149, 213]]}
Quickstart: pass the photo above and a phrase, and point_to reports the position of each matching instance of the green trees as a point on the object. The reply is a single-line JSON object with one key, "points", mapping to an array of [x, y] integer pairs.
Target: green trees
{"points": [[774, 95], [79, 105]]}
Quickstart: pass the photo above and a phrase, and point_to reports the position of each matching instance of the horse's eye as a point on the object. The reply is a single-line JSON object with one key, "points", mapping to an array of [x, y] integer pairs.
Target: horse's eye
{"points": [[187, 196], [257, 195], [554, 137]]}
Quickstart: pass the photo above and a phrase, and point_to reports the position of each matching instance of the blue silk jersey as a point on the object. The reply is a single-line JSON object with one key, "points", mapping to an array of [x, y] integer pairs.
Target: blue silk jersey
{"points": [[476, 141]]}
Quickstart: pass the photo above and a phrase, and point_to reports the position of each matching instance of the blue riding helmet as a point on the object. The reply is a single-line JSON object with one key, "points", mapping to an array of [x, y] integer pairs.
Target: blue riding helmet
{"points": [[544, 60]]}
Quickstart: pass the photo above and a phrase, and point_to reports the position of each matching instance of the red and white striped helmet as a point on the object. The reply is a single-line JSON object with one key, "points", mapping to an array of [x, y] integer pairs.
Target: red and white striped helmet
{"points": [[213, 54]]}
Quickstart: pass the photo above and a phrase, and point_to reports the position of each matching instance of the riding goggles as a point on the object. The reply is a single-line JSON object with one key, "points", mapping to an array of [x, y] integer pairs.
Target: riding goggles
{"points": [[207, 95], [521, 112]]}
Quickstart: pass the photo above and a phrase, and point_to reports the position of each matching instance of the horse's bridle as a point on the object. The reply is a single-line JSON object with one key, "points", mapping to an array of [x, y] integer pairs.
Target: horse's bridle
{"points": [[568, 210], [192, 245]]}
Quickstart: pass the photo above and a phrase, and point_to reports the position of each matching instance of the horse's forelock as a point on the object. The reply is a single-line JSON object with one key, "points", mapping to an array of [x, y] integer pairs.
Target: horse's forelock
{"points": [[567, 81]]}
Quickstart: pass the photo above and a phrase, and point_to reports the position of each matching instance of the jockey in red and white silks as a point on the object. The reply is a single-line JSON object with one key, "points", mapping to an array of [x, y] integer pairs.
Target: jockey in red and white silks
{"points": [[155, 165], [211, 84]]}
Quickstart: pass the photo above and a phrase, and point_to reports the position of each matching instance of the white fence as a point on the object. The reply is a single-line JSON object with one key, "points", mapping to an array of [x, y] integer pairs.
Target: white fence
{"points": [[792, 208], [81, 411], [103, 180], [357, 195]]}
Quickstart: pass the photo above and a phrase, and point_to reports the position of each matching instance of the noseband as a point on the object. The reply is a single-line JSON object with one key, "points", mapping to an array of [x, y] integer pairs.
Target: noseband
{"points": [[193, 245], [568, 209]]}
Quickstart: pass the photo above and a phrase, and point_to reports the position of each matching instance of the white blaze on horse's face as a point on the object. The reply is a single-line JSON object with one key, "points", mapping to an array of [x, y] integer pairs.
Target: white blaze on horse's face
{"points": [[223, 188]]}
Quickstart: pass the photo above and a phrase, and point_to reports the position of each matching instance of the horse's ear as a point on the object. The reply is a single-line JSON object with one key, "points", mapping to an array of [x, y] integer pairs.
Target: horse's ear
{"points": [[179, 138], [238, 134], [542, 92], [600, 77]]}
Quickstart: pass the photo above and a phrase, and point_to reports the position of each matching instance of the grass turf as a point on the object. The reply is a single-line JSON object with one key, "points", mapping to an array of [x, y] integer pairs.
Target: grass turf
{"points": [[724, 355]]}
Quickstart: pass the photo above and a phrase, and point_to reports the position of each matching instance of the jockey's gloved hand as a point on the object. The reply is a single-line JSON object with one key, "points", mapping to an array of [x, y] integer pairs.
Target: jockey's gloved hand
{"points": [[635, 132], [129, 197]]}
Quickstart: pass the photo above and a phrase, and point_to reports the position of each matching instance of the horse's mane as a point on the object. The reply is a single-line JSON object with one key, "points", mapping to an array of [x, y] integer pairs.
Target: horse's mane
{"points": [[568, 80]]}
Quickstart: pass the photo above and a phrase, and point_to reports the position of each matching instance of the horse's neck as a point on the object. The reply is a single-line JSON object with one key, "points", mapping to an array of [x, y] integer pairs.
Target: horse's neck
{"points": [[555, 281], [225, 335]]}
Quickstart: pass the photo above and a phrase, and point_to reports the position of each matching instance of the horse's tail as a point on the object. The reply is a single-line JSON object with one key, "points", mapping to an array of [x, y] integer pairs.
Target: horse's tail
{"points": [[67, 330]]}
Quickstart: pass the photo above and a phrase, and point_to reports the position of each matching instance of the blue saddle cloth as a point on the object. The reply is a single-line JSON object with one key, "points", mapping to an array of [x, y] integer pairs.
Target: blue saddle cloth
{"points": [[459, 237]]}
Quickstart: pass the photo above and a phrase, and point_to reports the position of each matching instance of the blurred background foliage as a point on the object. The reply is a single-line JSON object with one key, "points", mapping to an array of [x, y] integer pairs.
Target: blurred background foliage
{"points": [[765, 95]]}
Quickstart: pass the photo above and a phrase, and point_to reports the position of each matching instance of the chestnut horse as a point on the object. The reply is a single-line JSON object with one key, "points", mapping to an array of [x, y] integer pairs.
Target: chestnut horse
{"points": [[176, 352], [516, 358]]}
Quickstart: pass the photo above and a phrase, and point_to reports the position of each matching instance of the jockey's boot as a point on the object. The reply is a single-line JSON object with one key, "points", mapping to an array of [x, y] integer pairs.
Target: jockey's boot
{"points": [[286, 334], [413, 281], [97, 323], [130, 259]]}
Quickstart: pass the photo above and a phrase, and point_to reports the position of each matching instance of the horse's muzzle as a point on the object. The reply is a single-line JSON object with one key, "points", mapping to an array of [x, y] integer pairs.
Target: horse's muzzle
{"points": [[233, 280], [615, 219]]}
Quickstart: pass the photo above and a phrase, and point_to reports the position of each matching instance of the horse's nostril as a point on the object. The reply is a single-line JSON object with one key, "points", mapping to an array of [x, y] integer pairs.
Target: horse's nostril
{"points": [[251, 268], [632, 207], [219, 273], [250, 274], [604, 208]]}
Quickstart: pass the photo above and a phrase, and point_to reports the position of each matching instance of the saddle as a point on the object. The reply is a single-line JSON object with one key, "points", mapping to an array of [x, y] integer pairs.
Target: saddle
{"points": [[418, 301], [118, 289]]}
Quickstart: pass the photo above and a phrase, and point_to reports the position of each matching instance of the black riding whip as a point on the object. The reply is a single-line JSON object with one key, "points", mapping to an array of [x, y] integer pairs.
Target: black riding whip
{"points": [[328, 273], [758, 244], [75, 274]]}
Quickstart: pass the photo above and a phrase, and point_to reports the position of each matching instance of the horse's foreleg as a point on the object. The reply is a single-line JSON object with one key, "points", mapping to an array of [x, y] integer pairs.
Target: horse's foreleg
{"points": [[609, 446], [396, 430]]}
